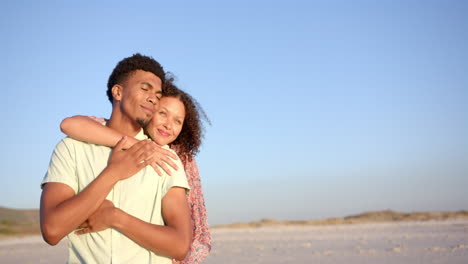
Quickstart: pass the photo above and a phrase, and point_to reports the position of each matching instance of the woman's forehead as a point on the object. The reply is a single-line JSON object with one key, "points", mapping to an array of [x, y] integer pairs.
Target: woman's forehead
{"points": [[172, 104]]}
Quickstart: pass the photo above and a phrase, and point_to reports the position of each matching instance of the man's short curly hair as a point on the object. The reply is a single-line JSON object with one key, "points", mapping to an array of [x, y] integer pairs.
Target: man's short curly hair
{"points": [[188, 143], [128, 65]]}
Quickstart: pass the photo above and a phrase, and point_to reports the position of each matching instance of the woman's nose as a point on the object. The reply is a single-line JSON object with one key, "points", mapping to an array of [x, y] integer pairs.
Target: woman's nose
{"points": [[167, 123]]}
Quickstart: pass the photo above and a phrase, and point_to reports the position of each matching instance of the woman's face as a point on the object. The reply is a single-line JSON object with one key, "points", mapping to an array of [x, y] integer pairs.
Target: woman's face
{"points": [[167, 122]]}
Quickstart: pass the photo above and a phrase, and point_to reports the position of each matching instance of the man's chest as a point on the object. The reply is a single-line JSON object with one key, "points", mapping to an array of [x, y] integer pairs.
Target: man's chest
{"points": [[137, 195]]}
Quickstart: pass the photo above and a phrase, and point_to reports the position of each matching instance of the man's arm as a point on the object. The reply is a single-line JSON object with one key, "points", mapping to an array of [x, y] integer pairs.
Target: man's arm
{"points": [[62, 211], [87, 129], [171, 240], [174, 238]]}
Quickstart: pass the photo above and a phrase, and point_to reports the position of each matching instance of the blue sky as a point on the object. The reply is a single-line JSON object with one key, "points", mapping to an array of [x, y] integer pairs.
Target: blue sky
{"points": [[319, 108]]}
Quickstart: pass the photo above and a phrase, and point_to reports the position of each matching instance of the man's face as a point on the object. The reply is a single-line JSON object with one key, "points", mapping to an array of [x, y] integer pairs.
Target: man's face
{"points": [[140, 96]]}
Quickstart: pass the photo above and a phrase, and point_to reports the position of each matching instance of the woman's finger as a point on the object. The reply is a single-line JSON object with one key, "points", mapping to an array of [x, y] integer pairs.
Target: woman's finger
{"points": [[84, 224], [170, 163], [163, 166], [120, 145], [156, 168]]}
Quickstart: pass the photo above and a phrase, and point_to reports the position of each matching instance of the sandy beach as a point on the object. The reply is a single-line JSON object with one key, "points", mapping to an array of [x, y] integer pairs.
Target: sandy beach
{"points": [[398, 242]]}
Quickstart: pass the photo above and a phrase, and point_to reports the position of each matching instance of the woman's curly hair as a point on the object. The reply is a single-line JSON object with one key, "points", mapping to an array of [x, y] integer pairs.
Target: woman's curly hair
{"points": [[188, 143]]}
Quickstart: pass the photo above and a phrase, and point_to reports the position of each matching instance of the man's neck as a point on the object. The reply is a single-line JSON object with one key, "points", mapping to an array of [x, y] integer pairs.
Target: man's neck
{"points": [[123, 124]]}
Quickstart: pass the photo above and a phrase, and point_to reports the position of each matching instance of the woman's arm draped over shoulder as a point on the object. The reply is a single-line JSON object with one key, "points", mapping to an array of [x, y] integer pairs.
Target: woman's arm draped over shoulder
{"points": [[201, 244], [86, 129]]}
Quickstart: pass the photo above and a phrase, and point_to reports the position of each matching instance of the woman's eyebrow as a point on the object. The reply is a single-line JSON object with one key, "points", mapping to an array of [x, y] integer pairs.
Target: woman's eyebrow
{"points": [[179, 117]]}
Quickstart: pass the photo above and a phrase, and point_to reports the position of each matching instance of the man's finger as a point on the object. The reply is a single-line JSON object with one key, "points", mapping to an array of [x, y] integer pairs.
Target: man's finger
{"points": [[144, 162], [137, 148], [143, 150], [147, 152]]}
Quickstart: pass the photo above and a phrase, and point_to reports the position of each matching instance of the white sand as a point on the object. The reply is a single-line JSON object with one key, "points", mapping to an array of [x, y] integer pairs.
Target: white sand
{"points": [[32, 250], [404, 242]]}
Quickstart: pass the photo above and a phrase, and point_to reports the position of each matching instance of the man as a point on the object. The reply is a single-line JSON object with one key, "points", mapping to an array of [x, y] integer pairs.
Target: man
{"points": [[126, 212]]}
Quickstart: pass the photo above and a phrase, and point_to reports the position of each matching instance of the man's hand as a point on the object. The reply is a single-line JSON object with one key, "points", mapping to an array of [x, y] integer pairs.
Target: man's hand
{"points": [[161, 158], [99, 220], [126, 163]]}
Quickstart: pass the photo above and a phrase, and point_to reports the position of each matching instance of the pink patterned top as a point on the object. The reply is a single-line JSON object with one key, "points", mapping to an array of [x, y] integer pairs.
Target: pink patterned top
{"points": [[201, 244]]}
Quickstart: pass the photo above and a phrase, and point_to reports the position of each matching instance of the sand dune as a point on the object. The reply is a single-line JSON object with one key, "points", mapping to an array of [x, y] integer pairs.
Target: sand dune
{"points": [[367, 217]]}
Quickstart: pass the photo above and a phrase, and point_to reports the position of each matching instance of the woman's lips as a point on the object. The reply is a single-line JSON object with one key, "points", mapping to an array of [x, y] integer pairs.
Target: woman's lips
{"points": [[163, 133]]}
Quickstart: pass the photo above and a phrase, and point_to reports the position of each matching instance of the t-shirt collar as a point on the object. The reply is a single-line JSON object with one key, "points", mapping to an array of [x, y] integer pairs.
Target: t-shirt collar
{"points": [[141, 135]]}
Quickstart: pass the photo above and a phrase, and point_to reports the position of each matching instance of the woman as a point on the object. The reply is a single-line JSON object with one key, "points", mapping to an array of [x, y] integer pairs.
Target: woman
{"points": [[177, 123]]}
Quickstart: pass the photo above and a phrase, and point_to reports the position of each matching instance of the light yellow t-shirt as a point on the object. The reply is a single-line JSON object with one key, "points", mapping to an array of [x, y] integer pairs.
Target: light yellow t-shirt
{"points": [[77, 164]]}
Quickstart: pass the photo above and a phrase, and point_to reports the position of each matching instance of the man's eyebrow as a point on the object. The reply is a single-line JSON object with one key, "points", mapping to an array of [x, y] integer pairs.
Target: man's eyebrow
{"points": [[147, 83]]}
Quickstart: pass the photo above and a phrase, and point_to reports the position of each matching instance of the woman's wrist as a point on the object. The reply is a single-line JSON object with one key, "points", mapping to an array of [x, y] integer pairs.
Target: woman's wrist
{"points": [[130, 142]]}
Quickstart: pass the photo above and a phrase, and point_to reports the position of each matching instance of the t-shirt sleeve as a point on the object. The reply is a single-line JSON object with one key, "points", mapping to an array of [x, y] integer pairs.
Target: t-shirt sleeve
{"points": [[177, 179], [62, 166]]}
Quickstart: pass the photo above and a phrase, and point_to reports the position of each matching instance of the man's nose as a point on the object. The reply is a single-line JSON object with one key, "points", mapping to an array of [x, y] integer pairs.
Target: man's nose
{"points": [[153, 99]]}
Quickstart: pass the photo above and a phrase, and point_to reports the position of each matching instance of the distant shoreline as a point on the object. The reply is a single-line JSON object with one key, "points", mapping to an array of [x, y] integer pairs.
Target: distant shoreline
{"points": [[367, 217], [16, 223]]}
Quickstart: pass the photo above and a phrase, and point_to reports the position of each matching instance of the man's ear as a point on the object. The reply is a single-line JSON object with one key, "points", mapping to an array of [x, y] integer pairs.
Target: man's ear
{"points": [[117, 92]]}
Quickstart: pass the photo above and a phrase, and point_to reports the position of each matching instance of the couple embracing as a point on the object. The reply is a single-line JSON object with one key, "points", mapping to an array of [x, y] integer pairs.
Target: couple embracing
{"points": [[127, 189]]}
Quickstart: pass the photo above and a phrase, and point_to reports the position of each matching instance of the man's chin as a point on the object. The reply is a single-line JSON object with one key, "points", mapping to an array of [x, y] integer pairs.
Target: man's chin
{"points": [[142, 122]]}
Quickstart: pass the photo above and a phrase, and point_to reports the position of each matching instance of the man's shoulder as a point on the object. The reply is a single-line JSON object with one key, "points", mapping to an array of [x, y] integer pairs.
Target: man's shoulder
{"points": [[69, 142]]}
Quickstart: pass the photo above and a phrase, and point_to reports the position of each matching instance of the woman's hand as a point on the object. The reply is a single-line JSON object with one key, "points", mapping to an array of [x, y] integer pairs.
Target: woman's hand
{"points": [[161, 159], [100, 120]]}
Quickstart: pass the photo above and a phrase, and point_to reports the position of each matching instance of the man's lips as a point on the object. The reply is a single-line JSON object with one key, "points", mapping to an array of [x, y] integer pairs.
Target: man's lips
{"points": [[148, 110], [163, 133]]}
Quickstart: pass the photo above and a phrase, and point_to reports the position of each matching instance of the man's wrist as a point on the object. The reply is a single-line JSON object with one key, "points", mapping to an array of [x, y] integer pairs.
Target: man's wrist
{"points": [[118, 218], [110, 174]]}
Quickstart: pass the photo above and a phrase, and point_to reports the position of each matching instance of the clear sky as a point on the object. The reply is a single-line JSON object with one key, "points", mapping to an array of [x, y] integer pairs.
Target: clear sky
{"points": [[319, 108]]}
